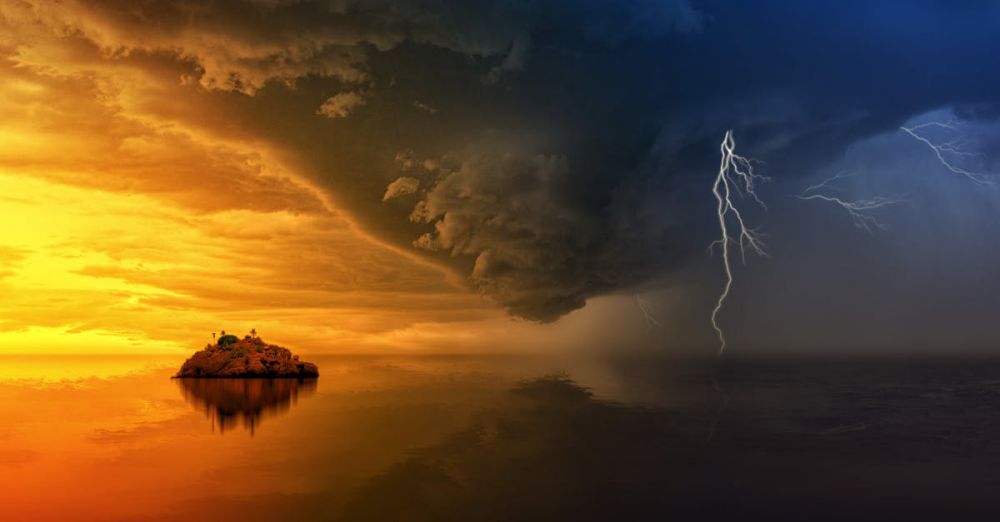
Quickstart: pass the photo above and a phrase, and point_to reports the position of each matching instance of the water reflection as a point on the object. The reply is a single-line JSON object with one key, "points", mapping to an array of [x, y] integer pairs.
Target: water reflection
{"points": [[819, 441], [457, 439], [246, 401], [548, 451]]}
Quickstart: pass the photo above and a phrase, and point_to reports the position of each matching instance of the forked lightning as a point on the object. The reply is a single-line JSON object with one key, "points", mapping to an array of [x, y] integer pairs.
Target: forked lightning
{"points": [[736, 177]]}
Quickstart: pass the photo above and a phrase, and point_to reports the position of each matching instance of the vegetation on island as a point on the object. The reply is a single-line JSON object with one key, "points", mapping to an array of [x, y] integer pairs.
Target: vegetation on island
{"points": [[230, 356]]}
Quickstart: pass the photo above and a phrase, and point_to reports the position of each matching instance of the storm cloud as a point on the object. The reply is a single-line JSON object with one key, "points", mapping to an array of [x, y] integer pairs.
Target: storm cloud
{"points": [[548, 151]]}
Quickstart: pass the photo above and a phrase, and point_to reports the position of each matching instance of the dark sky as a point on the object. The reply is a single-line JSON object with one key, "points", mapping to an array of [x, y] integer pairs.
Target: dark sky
{"points": [[552, 152], [582, 167]]}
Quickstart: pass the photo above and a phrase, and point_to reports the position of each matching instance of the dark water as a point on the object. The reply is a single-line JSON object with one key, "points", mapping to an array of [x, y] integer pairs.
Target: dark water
{"points": [[512, 439]]}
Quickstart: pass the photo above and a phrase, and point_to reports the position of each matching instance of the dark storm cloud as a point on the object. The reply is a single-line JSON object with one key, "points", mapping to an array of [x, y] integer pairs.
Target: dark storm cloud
{"points": [[590, 165], [570, 144]]}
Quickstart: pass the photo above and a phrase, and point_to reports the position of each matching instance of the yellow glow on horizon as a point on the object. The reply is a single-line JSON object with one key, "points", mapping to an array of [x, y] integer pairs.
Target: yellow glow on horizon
{"points": [[133, 221], [75, 370], [87, 271], [66, 341]]}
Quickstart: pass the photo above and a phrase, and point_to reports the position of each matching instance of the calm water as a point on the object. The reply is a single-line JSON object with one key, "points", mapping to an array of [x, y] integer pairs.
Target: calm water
{"points": [[502, 439]]}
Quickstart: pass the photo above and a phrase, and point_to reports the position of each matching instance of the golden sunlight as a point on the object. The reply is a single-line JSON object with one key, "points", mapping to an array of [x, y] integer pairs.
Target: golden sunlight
{"points": [[92, 271]]}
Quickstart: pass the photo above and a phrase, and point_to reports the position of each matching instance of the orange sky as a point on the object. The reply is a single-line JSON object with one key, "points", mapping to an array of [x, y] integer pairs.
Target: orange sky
{"points": [[129, 271], [123, 231], [136, 218]]}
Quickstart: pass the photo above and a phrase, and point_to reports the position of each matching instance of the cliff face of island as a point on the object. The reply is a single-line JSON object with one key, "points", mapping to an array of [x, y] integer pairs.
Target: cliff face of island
{"points": [[247, 357]]}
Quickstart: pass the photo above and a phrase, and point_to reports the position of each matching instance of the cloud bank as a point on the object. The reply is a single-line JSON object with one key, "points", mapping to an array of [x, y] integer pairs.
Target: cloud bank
{"points": [[550, 152]]}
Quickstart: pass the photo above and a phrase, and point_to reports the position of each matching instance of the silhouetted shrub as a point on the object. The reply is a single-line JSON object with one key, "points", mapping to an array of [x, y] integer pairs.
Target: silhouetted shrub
{"points": [[226, 340]]}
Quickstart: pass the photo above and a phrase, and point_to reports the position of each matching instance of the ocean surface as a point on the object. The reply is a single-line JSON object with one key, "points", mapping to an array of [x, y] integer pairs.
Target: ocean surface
{"points": [[503, 439]]}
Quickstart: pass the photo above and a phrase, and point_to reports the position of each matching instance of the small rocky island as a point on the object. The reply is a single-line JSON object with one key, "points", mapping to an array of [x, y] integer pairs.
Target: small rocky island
{"points": [[231, 356]]}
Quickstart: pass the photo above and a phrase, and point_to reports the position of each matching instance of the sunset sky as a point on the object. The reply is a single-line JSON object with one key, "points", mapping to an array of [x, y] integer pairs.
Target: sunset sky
{"points": [[352, 176], [152, 194], [135, 217]]}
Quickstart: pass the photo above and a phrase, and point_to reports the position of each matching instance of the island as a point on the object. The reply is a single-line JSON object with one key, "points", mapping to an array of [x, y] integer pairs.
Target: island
{"points": [[231, 356]]}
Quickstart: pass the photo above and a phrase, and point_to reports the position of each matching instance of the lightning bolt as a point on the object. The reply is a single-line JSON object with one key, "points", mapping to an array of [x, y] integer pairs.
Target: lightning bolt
{"points": [[859, 209], [948, 152], [736, 176], [650, 320]]}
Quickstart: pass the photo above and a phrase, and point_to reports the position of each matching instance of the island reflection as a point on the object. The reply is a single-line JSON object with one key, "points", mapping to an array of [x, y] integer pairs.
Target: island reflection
{"points": [[245, 401]]}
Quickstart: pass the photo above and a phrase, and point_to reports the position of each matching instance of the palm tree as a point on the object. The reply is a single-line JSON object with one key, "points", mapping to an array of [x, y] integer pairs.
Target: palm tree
{"points": [[253, 332]]}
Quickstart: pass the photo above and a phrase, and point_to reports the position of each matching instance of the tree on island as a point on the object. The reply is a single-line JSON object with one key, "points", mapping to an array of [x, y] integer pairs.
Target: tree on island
{"points": [[225, 339]]}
